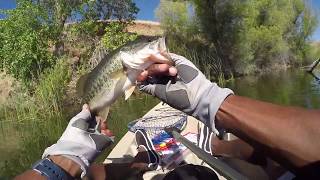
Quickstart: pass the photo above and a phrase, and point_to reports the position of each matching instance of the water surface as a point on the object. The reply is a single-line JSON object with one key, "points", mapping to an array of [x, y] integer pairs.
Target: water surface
{"points": [[290, 87]]}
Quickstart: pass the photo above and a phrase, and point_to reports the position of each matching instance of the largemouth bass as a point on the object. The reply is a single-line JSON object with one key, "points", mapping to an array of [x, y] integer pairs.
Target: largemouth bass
{"points": [[117, 73]]}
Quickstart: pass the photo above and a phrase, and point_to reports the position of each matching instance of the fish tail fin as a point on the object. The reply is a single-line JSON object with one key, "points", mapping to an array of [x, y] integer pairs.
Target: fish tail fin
{"points": [[81, 84], [104, 113]]}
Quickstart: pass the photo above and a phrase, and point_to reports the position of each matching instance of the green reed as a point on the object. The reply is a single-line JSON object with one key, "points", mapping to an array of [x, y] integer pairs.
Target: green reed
{"points": [[203, 56], [32, 121]]}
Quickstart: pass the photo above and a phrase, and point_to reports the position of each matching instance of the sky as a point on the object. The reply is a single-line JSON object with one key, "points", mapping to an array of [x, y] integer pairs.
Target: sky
{"points": [[147, 8], [316, 5]]}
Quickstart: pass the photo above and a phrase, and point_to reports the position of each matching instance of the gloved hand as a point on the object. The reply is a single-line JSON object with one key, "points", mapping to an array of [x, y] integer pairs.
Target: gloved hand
{"points": [[190, 92], [82, 141]]}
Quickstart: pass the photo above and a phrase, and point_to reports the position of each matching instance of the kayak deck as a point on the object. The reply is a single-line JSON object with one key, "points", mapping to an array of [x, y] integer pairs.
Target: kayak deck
{"points": [[126, 149]]}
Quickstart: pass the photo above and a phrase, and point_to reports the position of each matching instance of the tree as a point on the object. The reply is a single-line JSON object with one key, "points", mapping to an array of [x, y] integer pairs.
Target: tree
{"points": [[83, 11], [25, 42], [36, 28], [261, 32], [116, 36], [177, 19], [247, 35]]}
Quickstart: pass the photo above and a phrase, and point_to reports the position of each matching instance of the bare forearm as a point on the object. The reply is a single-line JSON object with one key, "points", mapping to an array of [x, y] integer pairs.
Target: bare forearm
{"points": [[287, 132], [66, 164], [30, 174]]}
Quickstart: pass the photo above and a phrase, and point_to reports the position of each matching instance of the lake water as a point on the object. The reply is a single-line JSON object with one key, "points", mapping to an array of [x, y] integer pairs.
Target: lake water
{"points": [[291, 87]]}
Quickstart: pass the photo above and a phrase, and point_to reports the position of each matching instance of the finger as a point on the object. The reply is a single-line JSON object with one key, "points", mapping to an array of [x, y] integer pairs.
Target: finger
{"points": [[84, 115], [173, 71], [107, 132], [159, 58], [142, 76], [161, 69], [157, 90], [104, 125], [157, 69], [104, 129]]}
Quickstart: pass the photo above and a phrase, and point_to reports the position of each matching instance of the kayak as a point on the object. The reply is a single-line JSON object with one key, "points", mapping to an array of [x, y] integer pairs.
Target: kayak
{"points": [[126, 149], [225, 167]]}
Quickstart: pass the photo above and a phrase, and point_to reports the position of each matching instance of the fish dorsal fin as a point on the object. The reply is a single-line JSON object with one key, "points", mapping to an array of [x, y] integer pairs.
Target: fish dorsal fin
{"points": [[81, 84], [128, 92]]}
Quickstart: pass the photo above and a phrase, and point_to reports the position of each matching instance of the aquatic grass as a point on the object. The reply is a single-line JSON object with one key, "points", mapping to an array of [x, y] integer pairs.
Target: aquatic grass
{"points": [[33, 120], [204, 57]]}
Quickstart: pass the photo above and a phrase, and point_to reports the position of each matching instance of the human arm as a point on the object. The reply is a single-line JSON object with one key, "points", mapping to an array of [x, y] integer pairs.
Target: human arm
{"points": [[288, 134], [69, 166], [83, 140], [283, 132]]}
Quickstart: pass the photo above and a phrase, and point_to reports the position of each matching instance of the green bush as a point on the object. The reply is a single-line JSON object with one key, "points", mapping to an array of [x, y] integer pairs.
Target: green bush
{"points": [[33, 35], [264, 33], [177, 19], [116, 35], [184, 37], [25, 42], [246, 36]]}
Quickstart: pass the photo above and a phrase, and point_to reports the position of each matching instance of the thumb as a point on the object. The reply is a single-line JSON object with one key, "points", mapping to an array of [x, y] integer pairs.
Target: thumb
{"points": [[157, 90], [84, 115], [82, 120]]}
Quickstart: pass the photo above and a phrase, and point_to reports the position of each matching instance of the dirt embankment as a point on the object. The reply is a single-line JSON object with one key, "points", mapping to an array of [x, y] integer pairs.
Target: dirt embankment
{"points": [[146, 28]]}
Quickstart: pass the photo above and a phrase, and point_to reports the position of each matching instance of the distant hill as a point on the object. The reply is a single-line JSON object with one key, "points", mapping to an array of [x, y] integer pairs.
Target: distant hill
{"points": [[147, 28], [141, 27]]}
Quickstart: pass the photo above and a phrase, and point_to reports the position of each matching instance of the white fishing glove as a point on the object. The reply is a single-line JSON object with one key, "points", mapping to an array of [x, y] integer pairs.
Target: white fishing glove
{"points": [[190, 92], [81, 142]]}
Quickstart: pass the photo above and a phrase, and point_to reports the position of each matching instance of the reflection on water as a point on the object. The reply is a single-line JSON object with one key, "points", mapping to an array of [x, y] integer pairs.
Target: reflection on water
{"points": [[291, 87], [122, 112]]}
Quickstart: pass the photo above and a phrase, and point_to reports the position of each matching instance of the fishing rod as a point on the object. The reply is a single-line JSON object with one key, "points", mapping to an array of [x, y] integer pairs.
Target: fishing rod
{"points": [[221, 167]]}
